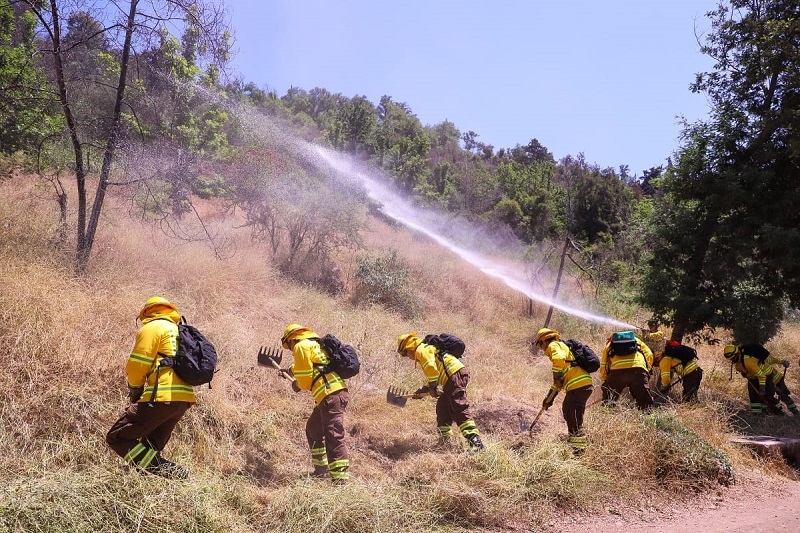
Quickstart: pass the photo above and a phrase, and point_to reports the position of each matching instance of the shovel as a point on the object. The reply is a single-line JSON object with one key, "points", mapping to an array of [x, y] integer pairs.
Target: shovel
{"points": [[273, 357], [399, 398]]}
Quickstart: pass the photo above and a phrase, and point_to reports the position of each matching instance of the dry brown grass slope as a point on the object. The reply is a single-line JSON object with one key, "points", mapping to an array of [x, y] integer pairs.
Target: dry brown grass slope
{"points": [[64, 341]]}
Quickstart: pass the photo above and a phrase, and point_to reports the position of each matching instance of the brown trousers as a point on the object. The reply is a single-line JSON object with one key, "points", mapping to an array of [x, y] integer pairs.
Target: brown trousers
{"points": [[755, 395], [573, 407], [325, 426], [691, 384], [144, 422], [452, 405], [637, 380]]}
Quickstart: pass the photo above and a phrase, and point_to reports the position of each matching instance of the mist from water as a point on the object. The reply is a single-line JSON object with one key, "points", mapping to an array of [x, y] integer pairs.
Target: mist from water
{"points": [[452, 234], [468, 241]]}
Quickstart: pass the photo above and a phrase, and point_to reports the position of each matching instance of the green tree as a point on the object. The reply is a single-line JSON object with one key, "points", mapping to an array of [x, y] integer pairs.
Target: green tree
{"points": [[401, 144], [27, 113], [136, 25], [727, 248]]}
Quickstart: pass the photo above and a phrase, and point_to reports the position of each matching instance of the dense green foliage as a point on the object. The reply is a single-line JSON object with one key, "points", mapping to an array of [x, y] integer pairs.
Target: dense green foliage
{"points": [[711, 240], [27, 116], [728, 233]]}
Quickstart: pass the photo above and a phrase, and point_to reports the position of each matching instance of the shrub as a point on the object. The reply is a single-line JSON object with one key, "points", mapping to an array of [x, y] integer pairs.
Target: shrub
{"points": [[384, 281]]}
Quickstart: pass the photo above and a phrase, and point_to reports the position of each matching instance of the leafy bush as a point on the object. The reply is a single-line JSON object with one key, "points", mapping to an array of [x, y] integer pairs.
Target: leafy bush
{"points": [[684, 456], [384, 281]]}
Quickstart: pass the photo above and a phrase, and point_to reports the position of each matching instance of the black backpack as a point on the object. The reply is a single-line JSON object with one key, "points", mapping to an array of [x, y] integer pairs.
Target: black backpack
{"points": [[680, 352], [755, 350], [343, 357], [584, 356], [446, 343], [196, 359]]}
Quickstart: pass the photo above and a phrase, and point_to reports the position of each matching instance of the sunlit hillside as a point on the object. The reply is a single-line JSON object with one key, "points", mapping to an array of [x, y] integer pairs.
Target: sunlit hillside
{"points": [[66, 339]]}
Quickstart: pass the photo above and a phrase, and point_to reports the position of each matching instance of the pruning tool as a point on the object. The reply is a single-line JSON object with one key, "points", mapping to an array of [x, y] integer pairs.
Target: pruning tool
{"points": [[273, 357]]}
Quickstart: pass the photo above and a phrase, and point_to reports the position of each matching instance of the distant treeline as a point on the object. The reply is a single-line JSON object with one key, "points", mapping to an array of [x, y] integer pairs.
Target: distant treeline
{"points": [[709, 240]]}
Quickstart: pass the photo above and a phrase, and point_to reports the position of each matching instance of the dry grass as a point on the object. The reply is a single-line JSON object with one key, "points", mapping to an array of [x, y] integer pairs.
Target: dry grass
{"points": [[65, 341]]}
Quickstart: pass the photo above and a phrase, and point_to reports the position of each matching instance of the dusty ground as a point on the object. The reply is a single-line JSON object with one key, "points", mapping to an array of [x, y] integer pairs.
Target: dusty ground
{"points": [[756, 504]]}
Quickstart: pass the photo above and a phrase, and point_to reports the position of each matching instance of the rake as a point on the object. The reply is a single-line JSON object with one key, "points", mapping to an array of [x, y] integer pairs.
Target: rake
{"points": [[399, 398]]}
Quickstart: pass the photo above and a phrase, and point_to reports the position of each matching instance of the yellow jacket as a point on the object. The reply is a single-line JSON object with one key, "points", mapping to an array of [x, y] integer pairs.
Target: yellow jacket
{"points": [[751, 368], [308, 358], [437, 369], [641, 358], [566, 377], [158, 337], [668, 365], [655, 341]]}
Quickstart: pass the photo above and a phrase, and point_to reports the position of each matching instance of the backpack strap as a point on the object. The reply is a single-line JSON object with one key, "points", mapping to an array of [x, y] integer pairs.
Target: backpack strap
{"points": [[321, 369]]}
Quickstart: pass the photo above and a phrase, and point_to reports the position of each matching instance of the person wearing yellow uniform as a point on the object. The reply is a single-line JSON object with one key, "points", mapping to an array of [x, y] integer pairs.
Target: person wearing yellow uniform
{"points": [[752, 362], [325, 426], [625, 363], [445, 373], [779, 380], [681, 360], [655, 340], [159, 398], [569, 377]]}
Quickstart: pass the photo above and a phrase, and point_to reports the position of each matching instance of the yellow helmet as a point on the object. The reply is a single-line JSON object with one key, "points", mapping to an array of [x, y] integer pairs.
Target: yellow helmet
{"points": [[290, 330], [546, 334], [152, 302], [730, 351], [404, 342]]}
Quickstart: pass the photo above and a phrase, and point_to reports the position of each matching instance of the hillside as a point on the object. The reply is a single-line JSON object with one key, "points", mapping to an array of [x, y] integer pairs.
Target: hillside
{"points": [[62, 384]]}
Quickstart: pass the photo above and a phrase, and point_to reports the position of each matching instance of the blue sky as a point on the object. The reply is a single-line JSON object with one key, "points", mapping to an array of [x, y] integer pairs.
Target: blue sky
{"points": [[603, 77]]}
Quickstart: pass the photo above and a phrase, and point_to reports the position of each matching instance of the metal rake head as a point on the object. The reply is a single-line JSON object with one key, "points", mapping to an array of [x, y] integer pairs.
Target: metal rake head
{"points": [[397, 397], [270, 357]]}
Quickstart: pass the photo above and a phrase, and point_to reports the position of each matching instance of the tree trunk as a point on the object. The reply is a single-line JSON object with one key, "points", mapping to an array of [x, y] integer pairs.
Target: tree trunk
{"points": [[80, 172], [108, 156]]}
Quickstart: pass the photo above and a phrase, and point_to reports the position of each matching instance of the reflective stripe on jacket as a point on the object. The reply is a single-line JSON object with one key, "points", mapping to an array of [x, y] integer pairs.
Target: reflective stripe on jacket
{"points": [[155, 340], [751, 368], [425, 355], [641, 358], [308, 358], [668, 365], [566, 377], [444, 366]]}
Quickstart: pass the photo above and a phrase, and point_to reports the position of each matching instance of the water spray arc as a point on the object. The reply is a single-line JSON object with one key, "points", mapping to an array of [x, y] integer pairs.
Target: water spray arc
{"points": [[400, 210]]}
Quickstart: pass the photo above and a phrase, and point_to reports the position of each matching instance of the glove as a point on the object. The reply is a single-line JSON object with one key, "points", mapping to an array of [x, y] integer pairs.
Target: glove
{"points": [[547, 403], [786, 364], [435, 392], [295, 386], [423, 390], [134, 393]]}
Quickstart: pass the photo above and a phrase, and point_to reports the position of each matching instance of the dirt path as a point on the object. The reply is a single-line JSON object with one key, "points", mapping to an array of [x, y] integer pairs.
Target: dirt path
{"points": [[755, 504]]}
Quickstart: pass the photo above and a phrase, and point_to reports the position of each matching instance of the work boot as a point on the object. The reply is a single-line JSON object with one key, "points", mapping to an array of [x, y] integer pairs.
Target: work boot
{"points": [[475, 443], [166, 468], [320, 472]]}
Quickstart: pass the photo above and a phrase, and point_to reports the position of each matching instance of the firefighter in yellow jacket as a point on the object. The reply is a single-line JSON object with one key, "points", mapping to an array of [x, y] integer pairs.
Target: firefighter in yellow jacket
{"points": [[625, 363], [569, 377], [325, 426], [447, 374], [752, 361], [779, 380], [655, 340], [143, 431], [688, 372]]}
